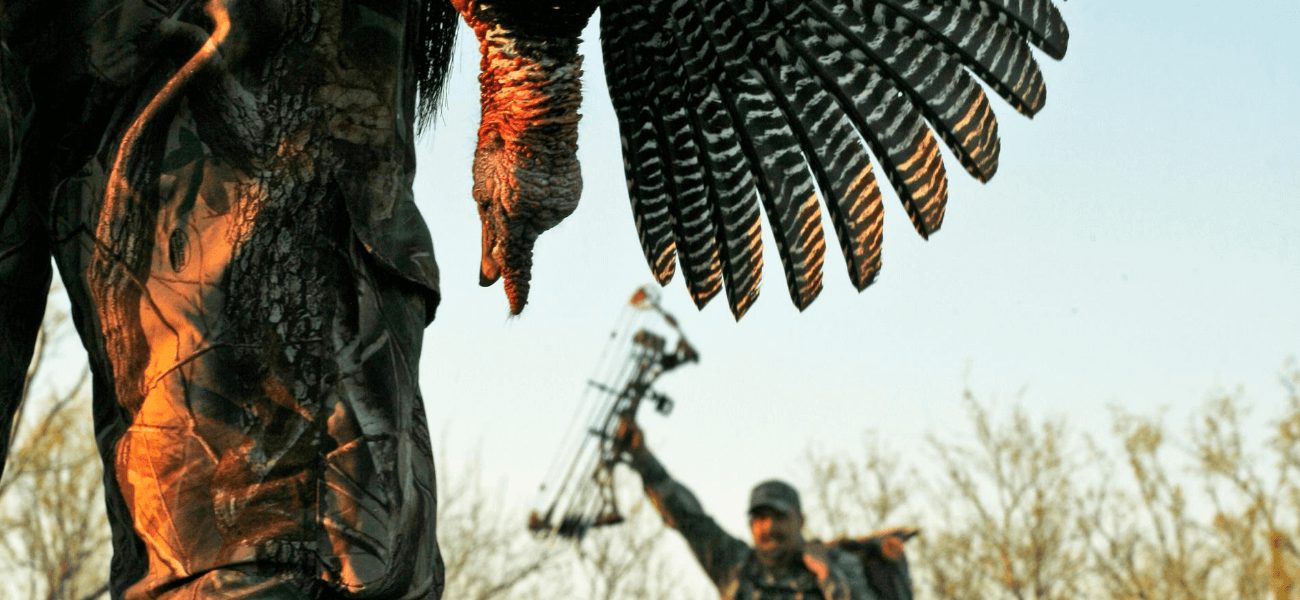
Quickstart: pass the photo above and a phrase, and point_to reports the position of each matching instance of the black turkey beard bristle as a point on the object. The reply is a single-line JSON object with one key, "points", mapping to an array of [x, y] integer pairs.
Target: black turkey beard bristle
{"points": [[437, 44]]}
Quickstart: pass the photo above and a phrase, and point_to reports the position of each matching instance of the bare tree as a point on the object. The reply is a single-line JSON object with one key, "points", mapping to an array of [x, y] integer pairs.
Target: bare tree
{"points": [[55, 542], [1147, 541], [1247, 508], [848, 497], [1219, 523], [1007, 505], [487, 550], [1256, 498], [1024, 508], [490, 555], [1285, 442], [997, 518], [640, 558]]}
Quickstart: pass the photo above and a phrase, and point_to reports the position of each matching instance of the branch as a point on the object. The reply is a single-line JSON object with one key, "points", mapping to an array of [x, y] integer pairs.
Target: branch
{"points": [[103, 589]]}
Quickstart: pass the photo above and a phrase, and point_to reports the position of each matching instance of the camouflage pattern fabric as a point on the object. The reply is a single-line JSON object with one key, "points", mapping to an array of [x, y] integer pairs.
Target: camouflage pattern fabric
{"points": [[248, 273], [732, 564]]}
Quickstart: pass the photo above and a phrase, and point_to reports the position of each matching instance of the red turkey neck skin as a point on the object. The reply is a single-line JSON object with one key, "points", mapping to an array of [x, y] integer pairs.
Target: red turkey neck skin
{"points": [[526, 173]]}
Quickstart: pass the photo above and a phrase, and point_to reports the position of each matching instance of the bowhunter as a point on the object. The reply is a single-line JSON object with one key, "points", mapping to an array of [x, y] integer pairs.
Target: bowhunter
{"points": [[781, 565]]}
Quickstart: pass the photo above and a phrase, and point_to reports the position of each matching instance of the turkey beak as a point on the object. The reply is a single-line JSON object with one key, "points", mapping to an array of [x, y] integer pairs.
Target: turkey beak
{"points": [[526, 173], [489, 268]]}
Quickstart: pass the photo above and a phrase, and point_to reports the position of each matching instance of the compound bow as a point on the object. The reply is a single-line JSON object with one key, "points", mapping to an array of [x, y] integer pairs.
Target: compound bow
{"points": [[582, 495]]}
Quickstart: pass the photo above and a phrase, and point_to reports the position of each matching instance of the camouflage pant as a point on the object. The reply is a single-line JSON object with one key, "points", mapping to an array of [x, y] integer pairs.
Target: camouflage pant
{"points": [[251, 280]]}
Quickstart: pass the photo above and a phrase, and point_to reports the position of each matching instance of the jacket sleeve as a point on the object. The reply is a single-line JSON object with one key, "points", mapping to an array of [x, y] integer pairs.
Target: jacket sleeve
{"points": [[721, 555], [24, 253]]}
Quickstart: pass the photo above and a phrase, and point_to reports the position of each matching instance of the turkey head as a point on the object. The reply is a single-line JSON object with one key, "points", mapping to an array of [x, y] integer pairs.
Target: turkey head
{"points": [[526, 173]]}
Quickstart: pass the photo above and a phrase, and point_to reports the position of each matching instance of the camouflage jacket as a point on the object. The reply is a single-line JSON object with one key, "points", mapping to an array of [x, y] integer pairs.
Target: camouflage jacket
{"points": [[248, 273], [732, 564]]}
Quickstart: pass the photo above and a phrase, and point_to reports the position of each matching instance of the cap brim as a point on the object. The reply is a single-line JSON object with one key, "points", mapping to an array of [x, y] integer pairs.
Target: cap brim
{"points": [[776, 505]]}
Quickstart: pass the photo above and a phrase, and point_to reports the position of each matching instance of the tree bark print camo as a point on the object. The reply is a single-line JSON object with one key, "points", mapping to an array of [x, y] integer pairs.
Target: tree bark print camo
{"points": [[226, 189]]}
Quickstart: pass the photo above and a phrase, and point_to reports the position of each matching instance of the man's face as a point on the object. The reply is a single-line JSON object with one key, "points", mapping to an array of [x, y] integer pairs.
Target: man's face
{"points": [[774, 529]]}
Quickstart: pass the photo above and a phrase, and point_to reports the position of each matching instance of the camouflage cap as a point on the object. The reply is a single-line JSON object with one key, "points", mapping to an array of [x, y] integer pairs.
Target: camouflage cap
{"points": [[776, 494]]}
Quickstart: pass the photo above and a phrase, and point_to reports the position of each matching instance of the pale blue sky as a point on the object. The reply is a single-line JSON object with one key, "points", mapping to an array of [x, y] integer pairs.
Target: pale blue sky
{"points": [[1138, 247]]}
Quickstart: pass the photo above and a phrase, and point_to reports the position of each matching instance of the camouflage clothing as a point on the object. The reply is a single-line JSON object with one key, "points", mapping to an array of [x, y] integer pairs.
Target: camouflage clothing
{"points": [[733, 565], [249, 275]]}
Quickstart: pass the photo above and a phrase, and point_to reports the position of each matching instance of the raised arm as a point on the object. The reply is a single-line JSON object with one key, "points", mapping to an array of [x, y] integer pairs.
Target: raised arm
{"points": [[721, 554]]}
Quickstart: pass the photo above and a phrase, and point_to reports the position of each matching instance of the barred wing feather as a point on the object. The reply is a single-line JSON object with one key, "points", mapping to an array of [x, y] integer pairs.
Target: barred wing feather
{"points": [[728, 105]]}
